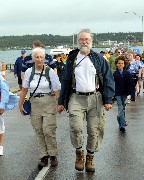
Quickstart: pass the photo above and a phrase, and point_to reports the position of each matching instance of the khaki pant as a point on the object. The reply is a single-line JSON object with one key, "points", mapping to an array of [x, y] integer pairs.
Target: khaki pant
{"points": [[91, 108], [43, 120]]}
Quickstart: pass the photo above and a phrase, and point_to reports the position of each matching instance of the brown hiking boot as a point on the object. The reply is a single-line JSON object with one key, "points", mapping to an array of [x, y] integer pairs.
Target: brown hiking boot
{"points": [[43, 162], [54, 161], [79, 164], [89, 163]]}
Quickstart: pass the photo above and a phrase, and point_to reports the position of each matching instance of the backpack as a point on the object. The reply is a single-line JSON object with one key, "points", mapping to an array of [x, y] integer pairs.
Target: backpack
{"points": [[47, 69]]}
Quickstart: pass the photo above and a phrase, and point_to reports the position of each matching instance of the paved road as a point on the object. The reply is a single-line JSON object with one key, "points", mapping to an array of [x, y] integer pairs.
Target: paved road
{"points": [[121, 156]]}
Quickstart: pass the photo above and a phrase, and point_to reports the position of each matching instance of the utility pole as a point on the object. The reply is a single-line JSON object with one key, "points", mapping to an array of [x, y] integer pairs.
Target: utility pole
{"points": [[141, 17]]}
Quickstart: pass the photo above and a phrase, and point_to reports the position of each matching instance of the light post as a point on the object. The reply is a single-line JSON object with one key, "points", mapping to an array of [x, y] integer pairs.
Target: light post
{"points": [[141, 17], [128, 40], [74, 38]]}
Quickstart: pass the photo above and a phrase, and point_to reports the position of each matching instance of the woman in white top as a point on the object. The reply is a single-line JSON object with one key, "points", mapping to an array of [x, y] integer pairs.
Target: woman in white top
{"points": [[43, 107]]}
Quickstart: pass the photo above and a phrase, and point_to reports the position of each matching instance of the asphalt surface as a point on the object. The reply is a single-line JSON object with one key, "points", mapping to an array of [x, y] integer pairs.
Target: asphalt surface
{"points": [[121, 156]]}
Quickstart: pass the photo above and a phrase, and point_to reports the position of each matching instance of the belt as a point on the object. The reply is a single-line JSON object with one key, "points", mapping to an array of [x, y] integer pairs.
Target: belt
{"points": [[40, 94], [82, 93]]}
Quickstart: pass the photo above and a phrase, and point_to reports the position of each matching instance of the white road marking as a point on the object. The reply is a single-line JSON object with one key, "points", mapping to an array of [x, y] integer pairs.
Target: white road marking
{"points": [[42, 174]]}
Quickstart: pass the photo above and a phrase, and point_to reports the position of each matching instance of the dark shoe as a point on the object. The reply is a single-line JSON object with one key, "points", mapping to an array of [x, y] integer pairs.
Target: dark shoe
{"points": [[43, 162], [138, 94], [90, 167], [122, 129], [79, 164], [54, 161]]}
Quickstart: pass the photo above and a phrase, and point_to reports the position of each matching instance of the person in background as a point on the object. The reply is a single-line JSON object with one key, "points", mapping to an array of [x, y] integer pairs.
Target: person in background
{"points": [[138, 58], [63, 58], [123, 88], [108, 54], [143, 56], [103, 54], [60, 67], [18, 68], [7, 102], [133, 68], [43, 107], [79, 78], [27, 63], [112, 59]]}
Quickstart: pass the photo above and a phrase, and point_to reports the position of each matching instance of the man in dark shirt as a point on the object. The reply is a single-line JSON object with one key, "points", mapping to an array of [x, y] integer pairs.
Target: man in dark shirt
{"points": [[18, 67], [60, 67]]}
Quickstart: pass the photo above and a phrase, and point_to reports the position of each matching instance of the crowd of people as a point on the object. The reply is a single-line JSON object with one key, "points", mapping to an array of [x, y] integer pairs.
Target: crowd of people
{"points": [[85, 85]]}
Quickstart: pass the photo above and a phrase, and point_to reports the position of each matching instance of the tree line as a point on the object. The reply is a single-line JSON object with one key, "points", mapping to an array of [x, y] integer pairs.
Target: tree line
{"points": [[25, 41]]}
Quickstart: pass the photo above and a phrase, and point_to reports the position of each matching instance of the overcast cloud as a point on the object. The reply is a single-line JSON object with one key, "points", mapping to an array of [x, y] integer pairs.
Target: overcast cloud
{"points": [[65, 17]]}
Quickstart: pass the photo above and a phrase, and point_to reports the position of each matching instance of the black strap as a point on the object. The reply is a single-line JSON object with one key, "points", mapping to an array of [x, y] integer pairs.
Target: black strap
{"points": [[79, 62], [73, 75], [37, 84]]}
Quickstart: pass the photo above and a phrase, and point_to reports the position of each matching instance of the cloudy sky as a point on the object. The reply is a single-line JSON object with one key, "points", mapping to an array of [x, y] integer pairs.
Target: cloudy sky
{"points": [[66, 17]]}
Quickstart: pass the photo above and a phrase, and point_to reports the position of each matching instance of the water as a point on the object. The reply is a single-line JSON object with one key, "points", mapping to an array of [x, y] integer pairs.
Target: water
{"points": [[9, 57]]}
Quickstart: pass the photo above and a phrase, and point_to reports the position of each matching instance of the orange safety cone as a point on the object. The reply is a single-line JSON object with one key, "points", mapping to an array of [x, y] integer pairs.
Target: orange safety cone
{"points": [[3, 70]]}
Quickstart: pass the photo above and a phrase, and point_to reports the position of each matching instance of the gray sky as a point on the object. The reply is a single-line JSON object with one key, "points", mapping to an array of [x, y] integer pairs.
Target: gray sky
{"points": [[66, 17]]}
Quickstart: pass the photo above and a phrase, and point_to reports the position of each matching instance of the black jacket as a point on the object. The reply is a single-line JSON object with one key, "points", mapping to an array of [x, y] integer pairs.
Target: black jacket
{"points": [[123, 83]]}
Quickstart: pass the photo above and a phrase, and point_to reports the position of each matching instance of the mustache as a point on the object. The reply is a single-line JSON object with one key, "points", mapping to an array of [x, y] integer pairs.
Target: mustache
{"points": [[89, 46]]}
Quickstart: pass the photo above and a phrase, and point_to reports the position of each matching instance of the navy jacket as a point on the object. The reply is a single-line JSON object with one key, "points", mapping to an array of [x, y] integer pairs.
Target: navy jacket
{"points": [[104, 72], [123, 83], [18, 66]]}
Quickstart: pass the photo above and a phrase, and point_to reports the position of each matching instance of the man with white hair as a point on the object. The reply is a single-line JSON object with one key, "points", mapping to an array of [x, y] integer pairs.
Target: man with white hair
{"points": [[81, 88]]}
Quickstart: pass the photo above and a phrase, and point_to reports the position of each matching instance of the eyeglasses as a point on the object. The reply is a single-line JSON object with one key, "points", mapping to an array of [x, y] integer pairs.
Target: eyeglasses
{"points": [[84, 39]]}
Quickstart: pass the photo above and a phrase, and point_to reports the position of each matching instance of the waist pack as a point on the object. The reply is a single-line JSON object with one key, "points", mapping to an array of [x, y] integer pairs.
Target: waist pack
{"points": [[27, 107]]}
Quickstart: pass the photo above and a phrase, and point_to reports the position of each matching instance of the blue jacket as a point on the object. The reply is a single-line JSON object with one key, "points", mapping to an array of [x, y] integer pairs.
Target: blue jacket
{"points": [[123, 83], [104, 73], [18, 66], [8, 100]]}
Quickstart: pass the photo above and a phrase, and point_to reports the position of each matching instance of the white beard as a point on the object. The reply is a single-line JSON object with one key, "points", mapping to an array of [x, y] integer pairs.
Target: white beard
{"points": [[84, 48]]}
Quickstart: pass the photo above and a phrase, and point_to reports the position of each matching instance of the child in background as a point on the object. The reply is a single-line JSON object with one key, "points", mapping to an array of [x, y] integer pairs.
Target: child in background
{"points": [[8, 101], [123, 87]]}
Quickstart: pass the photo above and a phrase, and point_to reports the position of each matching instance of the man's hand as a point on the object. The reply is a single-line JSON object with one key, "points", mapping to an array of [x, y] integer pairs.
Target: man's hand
{"points": [[60, 108], [1, 111], [15, 75], [108, 107]]}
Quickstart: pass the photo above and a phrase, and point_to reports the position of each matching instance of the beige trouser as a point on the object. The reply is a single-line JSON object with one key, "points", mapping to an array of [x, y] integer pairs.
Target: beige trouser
{"points": [[43, 120], [91, 107]]}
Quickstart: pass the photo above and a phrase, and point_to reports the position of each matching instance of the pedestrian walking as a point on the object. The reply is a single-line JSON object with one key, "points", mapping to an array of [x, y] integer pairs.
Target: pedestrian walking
{"points": [[60, 66], [18, 67], [79, 78], [133, 68], [138, 58], [43, 106], [112, 59], [123, 87], [7, 102]]}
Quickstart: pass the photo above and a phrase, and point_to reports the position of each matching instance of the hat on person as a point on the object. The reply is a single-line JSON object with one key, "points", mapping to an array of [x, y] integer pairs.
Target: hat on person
{"points": [[23, 51]]}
